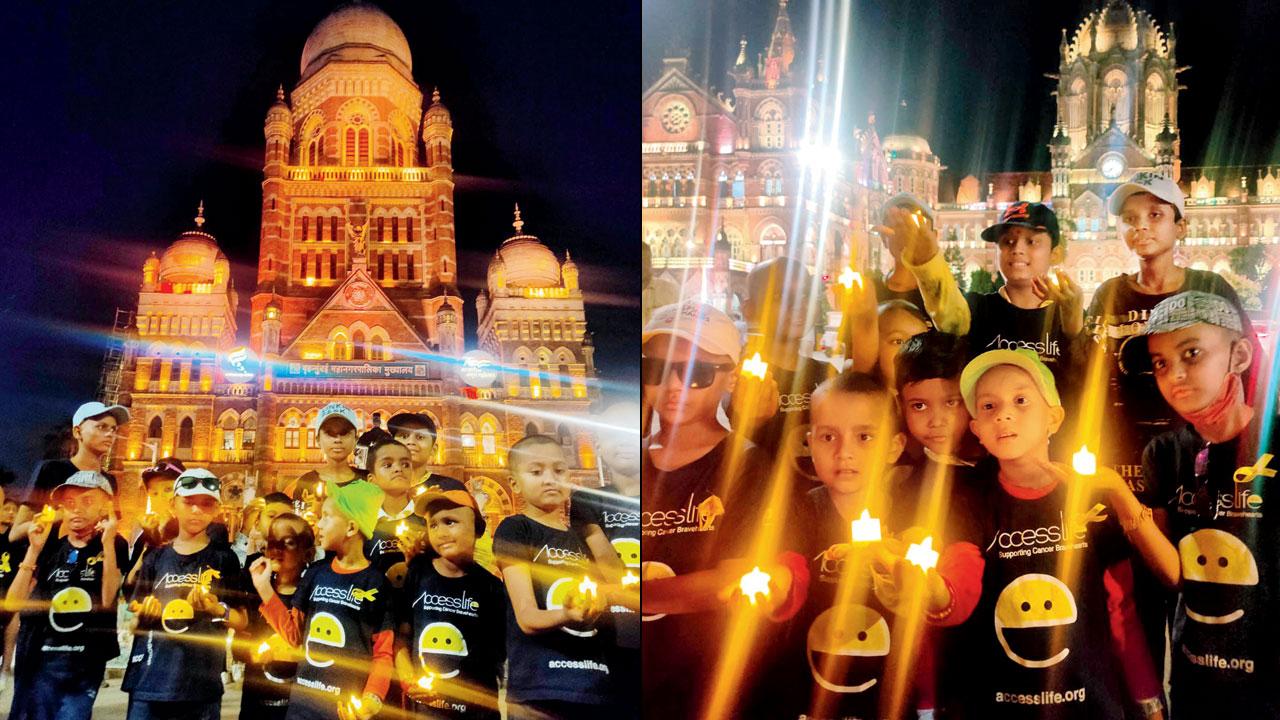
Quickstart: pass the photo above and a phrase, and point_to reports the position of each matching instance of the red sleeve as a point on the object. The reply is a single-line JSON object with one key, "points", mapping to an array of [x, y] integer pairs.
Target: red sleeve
{"points": [[799, 568], [382, 667], [961, 567], [1126, 633], [283, 620]]}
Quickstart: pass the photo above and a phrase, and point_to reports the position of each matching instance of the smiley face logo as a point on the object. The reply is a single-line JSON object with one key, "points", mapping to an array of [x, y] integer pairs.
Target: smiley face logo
{"points": [[628, 550], [441, 648], [1215, 558], [1026, 606], [556, 595], [654, 570], [68, 608], [847, 646], [177, 616], [324, 629]]}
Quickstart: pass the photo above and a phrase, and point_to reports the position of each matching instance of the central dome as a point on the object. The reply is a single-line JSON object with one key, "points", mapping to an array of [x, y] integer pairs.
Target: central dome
{"points": [[525, 261], [364, 31]]}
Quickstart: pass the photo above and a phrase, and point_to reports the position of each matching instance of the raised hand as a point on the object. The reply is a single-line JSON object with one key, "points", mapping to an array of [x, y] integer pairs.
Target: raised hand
{"points": [[1057, 287], [260, 573]]}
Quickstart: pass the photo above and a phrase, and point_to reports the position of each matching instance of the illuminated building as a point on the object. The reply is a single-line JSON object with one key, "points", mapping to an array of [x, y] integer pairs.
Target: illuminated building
{"points": [[734, 167], [356, 298], [1117, 108]]}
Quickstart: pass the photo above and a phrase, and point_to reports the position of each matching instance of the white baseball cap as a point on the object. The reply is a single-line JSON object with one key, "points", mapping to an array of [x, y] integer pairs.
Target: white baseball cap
{"points": [[703, 325], [341, 411], [198, 481], [1149, 182], [93, 409]]}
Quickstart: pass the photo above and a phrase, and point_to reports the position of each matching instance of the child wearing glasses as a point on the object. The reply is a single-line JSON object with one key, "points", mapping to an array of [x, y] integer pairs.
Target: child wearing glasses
{"points": [[186, 595], [271, 663], [1205, 535], [69, 584], [704, 496]]}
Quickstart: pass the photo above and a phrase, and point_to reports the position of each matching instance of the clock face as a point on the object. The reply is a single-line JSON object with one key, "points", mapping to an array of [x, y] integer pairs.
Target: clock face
{"points": [[1111, 167], [676, 117]]}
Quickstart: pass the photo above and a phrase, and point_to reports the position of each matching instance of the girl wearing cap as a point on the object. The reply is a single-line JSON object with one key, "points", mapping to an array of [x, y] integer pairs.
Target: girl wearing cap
{"points": [[1207, 531], [67, 589], [451, 616]]}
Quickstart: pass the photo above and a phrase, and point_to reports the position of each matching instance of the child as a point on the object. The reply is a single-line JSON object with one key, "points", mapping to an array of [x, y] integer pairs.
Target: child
{"points": [[10, 552], [94, 427], [156, 526], [184, 597], [272, 664], [1203, 532], [556, 659], [343, 606], [899, 321], [451, 617], [398, 527], [417, 432], [67, 589], [273, 506], [900, 283], [1055, 577], [335, 428]]}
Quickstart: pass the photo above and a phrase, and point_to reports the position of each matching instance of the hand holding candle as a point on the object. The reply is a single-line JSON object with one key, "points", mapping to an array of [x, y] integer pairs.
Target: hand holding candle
{"points": [[754, 585], [866, 528], [755, 367], [922, 554]]}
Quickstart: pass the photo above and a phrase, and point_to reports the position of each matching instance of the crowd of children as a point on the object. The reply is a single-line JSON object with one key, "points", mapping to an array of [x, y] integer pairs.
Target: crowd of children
{"points": [[357, 592], [1006, 508]]}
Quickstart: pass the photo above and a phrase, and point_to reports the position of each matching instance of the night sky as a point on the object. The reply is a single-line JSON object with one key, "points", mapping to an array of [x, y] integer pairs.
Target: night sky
{"points": [[972, 73], [120, 117]]}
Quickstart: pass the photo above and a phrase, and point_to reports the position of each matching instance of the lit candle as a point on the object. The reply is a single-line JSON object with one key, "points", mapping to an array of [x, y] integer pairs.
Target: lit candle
{"points": [[148, 505], [866, 528], [355, 702], [754, 584], [587, 587], [320, 490], [630, 579], [922, 554], [46, 515], [261, 650], [1084, 462], [849, 276], [421, 489], [426, 681], [401, 528], [755, 366]]}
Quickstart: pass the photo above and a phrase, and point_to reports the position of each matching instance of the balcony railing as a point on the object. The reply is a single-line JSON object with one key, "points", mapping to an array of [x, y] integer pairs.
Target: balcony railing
{"points": [[357, 174]]}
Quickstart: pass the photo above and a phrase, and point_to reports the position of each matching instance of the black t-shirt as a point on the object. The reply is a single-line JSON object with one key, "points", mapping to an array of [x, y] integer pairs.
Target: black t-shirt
{"points": [[71, 626], [784, 436], [181, 656], [566, 664], [342, 612], [11, 554], [384, 549], [1045, 646], [618, 516], [1225, 638], [1135, 411], [266, 685], [692, 518], [49, 474], [457, 630]]}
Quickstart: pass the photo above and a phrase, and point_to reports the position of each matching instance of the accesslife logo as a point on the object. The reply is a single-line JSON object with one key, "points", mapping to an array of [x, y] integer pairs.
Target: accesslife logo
{"points": [[626, 518], [350, 596], [448, 603], [1046, 347], [700, 517], [559, 556]]}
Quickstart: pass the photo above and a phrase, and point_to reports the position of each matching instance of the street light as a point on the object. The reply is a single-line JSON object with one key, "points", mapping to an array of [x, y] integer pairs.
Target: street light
{"points": [[155, 448]]}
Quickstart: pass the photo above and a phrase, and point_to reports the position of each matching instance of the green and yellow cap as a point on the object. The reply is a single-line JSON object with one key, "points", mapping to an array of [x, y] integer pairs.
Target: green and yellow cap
{"points": [[1021, 358]]}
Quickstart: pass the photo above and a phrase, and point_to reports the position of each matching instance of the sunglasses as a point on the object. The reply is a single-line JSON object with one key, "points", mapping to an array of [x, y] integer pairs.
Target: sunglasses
{"points": [[696, 373], [190, 483]]}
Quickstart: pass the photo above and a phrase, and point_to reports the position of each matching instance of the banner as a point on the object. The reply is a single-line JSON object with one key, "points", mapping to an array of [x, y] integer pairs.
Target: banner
{"points": [[352, 370]]}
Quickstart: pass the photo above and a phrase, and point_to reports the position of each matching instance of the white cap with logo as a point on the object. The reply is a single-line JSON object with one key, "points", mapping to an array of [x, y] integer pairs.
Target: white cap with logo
{"points": [[703, 325], [1149, 182]]}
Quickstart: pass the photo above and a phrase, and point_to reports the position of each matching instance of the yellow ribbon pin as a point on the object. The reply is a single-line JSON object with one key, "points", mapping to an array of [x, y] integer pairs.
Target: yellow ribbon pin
{"points": [[1259, 469], [359, 594]]}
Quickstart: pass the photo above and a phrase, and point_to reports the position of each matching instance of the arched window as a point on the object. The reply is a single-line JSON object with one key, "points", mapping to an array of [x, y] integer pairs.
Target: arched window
{"points": [[339, 345], [1118, 96], [488, 438], [357, 343], [186, 430], [356, 150], [315, 149], [739, 186], [156, 429], [291, 433], [530, 429], [770, 130], [306, 229]]}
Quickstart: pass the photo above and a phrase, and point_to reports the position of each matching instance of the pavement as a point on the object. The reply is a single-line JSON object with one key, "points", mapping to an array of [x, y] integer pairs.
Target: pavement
{"points": [[113, 702]]}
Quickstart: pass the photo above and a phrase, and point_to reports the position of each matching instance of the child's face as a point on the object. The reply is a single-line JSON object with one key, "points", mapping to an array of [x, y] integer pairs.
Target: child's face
{"points": [[1013, 419], [420, 443], [935, 413], [285, 550], [539, 474], [8, 511], [269, 514], [1147, 225], [333, 528], [452, 534], [851, 438], [97, 434], [393, 470], [83, 508], [195, 512], [336, 439], [896, 327], [160, 489], [675, 403], [1192, 365], [620, 453], [1025, 254]]}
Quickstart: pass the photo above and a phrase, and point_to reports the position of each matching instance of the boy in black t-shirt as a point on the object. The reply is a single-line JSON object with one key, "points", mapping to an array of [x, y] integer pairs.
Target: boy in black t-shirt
{"points": [[451, 617], [417, 431], [1056, 580], [556, 635], [398, 528], [340, 616], [1205, 530], [156, 526], [69, 588], [336, 427], [186, 596]]}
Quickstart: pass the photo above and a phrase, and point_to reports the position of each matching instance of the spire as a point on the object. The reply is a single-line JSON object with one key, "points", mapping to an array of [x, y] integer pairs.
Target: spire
{"points": [[742, 53], [566, 256], [280, 94], [782, 46], [518, 224], [435, 95], [200, 214]]}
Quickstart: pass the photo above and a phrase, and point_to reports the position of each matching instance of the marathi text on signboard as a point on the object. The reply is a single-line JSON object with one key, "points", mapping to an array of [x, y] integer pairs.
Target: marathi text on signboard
{"points": [[365, 371]]}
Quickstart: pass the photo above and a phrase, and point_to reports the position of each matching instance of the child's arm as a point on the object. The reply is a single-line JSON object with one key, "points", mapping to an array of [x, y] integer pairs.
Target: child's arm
{"points": [[960, 568], [702, 590], [1143, 526], [922, 256], [25, 581], [285, 621], [602, 550], [111, 577], [1127, 638], [382, 666], [529, 616]]}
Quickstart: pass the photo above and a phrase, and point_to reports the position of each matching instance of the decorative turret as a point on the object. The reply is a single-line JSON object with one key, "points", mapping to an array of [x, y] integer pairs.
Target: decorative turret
{"points": [[1060, 159], [150, 273], [569, 272], [782, 49], [271, 329], [437, 136], [1166, 149], [278, 130], [447, 329]]}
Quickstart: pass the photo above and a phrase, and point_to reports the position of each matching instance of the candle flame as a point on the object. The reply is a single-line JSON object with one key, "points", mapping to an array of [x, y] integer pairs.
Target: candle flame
{"points": [[866, 528], [426, 681], [1084, 462], [148, 504], [922, 554], [320, 490], [755, 584], [355, 702], [401, 528], [849, 276], [755, 366], [630, 579], [587, 587]]}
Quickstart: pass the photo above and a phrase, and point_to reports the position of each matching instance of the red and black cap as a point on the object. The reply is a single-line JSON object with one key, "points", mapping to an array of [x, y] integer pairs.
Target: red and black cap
{"points": [[1036, 216]]}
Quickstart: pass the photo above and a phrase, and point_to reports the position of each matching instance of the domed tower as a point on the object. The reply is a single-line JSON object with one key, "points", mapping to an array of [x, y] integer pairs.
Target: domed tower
{"points": [[278, 130], [569, 272]]}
